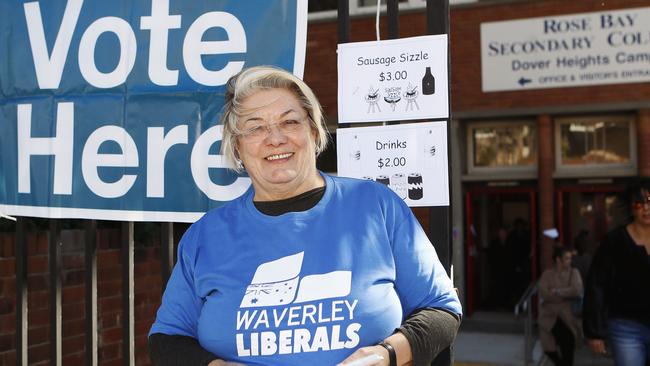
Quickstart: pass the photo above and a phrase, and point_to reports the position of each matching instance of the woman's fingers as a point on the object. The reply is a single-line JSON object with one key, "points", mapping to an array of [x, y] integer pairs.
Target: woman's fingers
{"points": [[367, 356]]}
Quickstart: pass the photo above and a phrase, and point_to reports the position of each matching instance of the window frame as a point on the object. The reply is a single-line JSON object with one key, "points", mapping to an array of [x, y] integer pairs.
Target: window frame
{"points": [[356, 9], [595, 169], [500, 172]]}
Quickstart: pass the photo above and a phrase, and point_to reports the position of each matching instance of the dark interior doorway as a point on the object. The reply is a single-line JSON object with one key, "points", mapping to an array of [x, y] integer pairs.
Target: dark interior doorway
{"points": [[501, 248]]}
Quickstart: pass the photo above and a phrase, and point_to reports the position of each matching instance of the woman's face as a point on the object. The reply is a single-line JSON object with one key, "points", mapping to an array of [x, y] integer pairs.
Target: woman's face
{"points": [[564, 262], [278, 148], [641, 208]]}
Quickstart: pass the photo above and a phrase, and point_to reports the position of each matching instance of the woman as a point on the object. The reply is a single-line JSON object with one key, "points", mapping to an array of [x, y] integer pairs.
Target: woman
{"points": [[617, 297], [304, 268], [558, 328]]}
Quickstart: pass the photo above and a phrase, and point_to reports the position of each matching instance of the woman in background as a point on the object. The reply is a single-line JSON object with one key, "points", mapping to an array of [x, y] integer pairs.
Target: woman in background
{"points": [[558, 327], [617, 296]]}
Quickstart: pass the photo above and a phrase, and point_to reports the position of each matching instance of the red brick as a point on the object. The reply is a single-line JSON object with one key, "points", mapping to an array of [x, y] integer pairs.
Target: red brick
{"points": [[8, 358], [37, 264], [108, 289], [113, 362], [6, 306], [109, 320], [113, 335], [74, 327], [73, 261], [8, 286], [37, 282], [107, 274], [7, 267], [73, 294], [7, 245], [106, 257], [7, 342], [72, 344], [73, 311], [7, 323], [73, 277], [109, 304], [37, 244], [38, 335], [38, 353], [37, 299], [108, 352], [73, 359]]}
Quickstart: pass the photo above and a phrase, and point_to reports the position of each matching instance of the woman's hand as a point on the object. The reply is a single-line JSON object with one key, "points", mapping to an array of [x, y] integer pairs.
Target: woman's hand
{"points": [[367, 351], [597, 346], [223, 363]]}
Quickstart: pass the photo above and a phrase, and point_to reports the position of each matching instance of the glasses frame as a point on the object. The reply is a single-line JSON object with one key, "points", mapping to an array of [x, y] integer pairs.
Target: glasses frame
{"points": [[642, 203], [284, 126]]}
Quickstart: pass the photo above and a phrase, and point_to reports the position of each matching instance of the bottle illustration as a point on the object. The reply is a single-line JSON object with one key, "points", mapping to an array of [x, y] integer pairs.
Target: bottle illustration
{"points": [[428, 83]]}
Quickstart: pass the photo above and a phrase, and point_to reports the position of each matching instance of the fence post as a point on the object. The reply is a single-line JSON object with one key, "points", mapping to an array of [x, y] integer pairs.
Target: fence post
{"points": [[90, 263], [128, 349], [54, 256], [21, 292]]}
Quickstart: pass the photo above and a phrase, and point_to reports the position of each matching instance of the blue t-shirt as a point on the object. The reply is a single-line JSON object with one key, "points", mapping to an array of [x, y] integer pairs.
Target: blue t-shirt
{"points": [[303, 287]]}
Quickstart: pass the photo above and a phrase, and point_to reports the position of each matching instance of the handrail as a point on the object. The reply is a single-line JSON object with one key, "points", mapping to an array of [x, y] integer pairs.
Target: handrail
{"points": [[524, 305], [524, 300]]}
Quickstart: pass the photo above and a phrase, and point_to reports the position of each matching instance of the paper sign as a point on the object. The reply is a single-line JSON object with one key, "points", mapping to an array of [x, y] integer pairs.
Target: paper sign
{"points": [[411, 159], [393, 80]]}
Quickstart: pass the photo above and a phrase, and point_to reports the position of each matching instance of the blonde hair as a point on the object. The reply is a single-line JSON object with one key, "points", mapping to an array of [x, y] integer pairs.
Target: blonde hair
{"points": [[249, 81]]}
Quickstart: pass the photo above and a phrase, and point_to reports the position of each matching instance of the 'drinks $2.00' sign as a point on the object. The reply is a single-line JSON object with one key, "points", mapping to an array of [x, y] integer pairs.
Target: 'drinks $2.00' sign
{"points": [[109, 109]]}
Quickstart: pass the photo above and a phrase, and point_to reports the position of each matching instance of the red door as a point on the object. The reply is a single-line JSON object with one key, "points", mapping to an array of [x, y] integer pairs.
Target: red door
{"points": [[592, 209]]}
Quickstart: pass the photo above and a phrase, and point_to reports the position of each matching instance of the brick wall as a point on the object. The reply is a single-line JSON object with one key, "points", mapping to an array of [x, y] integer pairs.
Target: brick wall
{"points": [[466, 94], [109, 302]]}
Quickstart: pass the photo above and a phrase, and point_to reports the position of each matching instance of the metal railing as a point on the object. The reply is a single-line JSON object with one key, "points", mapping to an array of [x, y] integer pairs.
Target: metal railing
{"points": [[525, 305], [90, 283]]}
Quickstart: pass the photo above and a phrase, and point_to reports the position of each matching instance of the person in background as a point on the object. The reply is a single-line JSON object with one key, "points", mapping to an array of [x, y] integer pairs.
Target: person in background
{"points": [[304, 268], [583, 256], [518, 247], [558, 327], [498, 261], [617, 296]]}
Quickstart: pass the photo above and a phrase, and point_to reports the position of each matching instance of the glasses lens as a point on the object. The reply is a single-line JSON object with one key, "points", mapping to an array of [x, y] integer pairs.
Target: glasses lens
{"points": [[645, 202], [289, 126], [260, 132]]}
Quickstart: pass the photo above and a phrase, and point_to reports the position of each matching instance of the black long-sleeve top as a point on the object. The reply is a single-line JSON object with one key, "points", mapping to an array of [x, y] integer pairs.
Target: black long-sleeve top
{"points": [[618, 284]]}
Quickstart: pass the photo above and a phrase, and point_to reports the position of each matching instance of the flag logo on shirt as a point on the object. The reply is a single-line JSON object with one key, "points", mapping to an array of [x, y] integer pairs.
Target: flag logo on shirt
{"points": [[278, 282]]}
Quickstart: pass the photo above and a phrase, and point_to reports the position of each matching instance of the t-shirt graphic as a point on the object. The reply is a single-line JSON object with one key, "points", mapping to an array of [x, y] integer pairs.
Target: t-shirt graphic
{"points": [[278, 283]]}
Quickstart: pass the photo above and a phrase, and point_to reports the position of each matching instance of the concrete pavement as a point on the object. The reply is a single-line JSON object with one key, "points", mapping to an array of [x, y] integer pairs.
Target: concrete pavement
{"points": [[496, 339]]}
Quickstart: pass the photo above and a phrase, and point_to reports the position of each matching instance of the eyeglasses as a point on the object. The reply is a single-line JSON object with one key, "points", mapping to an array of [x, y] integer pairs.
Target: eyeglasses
{"points": [[259, 132], [641, 203]]}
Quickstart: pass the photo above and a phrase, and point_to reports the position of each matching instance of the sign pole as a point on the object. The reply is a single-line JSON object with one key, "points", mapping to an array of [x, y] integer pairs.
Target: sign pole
{"points": [[439, 217]]}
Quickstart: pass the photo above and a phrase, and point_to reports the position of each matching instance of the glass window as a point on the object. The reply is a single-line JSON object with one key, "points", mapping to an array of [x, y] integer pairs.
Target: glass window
{"points": [[358, 7], [321, 5], [587, 144], [595, 142], [503, 145]]}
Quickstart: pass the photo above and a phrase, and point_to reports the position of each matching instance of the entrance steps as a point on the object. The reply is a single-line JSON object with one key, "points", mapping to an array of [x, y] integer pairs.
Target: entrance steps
{"points": [[496, 339]]}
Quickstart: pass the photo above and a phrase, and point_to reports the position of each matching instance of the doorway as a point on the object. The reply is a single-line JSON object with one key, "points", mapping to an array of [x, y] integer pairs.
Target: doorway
{"points": [[501, 247], [588, 213]]}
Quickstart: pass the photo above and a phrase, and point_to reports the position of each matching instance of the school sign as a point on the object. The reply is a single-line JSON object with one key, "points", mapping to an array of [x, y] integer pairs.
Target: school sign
{"points": [[110, 109], [597, 48]]}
